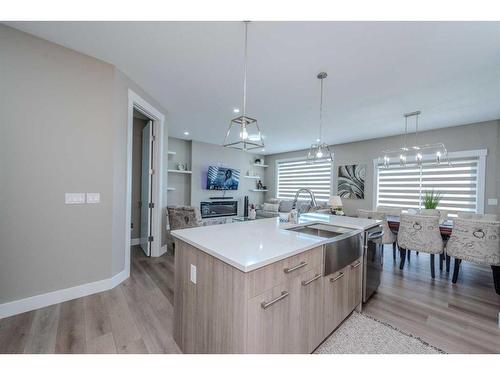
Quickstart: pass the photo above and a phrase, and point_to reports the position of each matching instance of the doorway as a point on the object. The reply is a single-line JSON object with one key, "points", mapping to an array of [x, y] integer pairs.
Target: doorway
{"points": [[144, 178], [142, 182]]}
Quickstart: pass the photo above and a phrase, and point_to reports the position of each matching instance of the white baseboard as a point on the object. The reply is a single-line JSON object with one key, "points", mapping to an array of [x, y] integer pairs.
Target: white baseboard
{"points": [[135, 241], [163, 250], [58, 296]]}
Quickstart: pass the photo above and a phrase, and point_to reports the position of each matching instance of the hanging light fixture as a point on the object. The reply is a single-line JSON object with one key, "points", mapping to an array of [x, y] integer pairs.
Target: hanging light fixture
{"points": [[243, 132], [416, 154], [320, 151]]}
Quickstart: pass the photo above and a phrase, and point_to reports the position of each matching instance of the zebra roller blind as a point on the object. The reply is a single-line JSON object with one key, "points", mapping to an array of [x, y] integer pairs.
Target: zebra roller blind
{"points": [[458, 184], [298, 173]]}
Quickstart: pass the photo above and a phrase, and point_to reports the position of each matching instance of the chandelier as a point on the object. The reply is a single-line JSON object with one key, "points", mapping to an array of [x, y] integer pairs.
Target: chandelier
{"points": [[416, 154], [243, 132], [320, 151]]}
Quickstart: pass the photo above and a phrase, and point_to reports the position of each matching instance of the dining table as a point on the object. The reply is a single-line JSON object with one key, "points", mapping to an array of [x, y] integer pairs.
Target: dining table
{"points": [[445, 227]]}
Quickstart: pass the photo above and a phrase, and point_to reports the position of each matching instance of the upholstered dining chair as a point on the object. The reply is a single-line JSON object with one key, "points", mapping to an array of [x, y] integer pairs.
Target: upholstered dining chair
{"points": [[443, 215], [388, 237], [420, 233], [181, 217], [476, 241], [391, 211], [472, 216]]}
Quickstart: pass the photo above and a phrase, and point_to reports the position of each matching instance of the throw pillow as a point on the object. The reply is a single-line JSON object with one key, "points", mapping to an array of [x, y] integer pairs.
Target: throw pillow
{"points": [[271, 207]]}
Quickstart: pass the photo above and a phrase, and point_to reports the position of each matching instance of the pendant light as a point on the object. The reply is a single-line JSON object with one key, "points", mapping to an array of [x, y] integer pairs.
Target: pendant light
{"points": [[243, 132], [320, 151], [414, 155]]}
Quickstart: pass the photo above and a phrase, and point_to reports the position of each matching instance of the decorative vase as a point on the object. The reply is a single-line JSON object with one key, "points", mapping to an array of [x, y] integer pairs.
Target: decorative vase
{"points": [[252, 214]]}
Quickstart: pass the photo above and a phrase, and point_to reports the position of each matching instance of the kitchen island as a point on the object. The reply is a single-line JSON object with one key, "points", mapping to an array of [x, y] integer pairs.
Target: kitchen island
{"points": [[260, 286]]}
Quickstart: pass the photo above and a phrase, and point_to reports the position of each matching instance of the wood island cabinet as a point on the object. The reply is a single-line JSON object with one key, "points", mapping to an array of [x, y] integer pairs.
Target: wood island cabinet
{"points": [[285, 307]]}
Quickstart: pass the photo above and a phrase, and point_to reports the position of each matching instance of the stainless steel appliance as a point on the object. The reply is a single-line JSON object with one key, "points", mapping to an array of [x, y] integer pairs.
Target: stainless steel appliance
{"points": [[373, 255], [344, 248], [347, 245]]}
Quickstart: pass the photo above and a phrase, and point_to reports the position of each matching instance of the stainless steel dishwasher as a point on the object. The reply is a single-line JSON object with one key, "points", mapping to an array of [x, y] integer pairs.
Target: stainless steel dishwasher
{"points": [[373, 256]]}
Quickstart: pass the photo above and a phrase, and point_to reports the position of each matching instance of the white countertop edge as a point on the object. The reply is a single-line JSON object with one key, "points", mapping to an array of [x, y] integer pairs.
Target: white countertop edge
{"points": [[274, 259], [254, 266]]}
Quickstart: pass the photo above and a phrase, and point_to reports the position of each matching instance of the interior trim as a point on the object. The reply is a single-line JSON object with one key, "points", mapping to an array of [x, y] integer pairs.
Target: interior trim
{"points": [[59, 296]]}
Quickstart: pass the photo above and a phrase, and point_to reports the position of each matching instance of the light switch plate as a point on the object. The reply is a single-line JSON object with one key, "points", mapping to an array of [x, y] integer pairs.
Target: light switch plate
{"points": [[74, 198], [93, 197], [193, 274], [492, 202]]}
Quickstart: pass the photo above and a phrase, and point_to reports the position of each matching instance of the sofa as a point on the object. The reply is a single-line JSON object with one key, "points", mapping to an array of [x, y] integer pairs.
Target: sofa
{"points": [[274, 206]]}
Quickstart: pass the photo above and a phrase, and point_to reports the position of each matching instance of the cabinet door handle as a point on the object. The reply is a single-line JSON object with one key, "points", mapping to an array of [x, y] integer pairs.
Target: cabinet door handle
{"points": [[316, 277], [265, 305], [333, 279], [356, 265], [300, 265]]}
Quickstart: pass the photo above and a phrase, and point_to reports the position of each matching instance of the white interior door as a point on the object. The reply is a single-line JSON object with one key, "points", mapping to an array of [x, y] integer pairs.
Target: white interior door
{"points": [[146, 188]]}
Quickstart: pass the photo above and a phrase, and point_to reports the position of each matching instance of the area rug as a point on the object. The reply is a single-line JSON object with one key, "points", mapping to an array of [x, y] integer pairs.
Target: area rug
{"points": [[361, 334]]}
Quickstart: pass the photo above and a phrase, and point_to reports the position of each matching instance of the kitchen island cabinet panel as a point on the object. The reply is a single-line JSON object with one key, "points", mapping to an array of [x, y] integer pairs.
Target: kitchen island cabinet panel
{"points": [[310, 317], [218, 311], [355, 286], [336, 307]]}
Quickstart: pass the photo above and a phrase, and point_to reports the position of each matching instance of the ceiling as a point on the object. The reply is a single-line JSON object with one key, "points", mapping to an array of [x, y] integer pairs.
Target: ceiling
{"points": [[376, 72]]}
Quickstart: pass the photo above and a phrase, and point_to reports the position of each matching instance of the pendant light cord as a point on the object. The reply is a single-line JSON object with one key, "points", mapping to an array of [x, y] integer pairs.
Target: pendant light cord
{"points": [[245, 71], [321, 111]]}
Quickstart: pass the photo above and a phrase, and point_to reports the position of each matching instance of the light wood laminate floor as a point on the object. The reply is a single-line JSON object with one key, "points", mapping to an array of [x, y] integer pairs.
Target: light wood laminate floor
{"points": [[137, 316], [460, 318]]}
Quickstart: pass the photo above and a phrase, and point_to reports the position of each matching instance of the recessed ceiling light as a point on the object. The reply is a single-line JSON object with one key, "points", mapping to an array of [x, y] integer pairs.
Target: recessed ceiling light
{"points": [[236, 110], [186, 133], [263, 149]]}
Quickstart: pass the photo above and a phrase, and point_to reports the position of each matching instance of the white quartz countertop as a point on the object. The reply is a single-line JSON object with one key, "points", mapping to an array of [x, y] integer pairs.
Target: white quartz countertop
{"points": [[253, 244]]}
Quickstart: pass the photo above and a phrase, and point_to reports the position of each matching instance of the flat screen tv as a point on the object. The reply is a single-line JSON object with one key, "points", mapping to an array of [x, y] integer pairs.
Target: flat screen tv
{"points": [[220, 178]]}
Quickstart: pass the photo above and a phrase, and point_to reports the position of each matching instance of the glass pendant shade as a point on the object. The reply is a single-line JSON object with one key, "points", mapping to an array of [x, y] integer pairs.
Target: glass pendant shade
{"points": [[320, 151], [243, 134]]}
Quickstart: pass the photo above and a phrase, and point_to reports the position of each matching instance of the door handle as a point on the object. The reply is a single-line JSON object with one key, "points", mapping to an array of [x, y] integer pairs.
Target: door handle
{"points": [[356, 265], [316, 277]]}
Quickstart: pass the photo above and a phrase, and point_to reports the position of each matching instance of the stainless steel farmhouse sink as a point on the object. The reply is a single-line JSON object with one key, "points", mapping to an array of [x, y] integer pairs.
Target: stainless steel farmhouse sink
{"points": [[343, 248]]}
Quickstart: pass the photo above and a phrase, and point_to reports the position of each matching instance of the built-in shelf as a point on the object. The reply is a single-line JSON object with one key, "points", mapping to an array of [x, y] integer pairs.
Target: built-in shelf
{"points": [[254, 177], [170, 189], [258, 190], [261, 165], [178, 171]]}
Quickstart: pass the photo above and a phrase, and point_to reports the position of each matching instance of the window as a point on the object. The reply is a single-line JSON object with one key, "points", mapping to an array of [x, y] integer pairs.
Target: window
{"points": [[461, 185], [293, 174]]}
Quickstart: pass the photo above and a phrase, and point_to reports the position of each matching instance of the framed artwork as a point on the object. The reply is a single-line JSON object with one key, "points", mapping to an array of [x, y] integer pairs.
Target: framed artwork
{"points": [[351, 181]]}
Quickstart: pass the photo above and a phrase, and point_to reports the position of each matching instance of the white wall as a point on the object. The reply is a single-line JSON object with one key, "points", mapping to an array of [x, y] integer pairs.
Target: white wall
{"points": [[205, 155], [63, 128], [459, 138]]}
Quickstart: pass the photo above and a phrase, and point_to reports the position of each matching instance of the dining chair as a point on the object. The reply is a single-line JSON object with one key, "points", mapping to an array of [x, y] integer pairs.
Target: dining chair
{"points": [[472, 216], [420, 233], [476, 241], [181, 217], [443, 215], [388, 237]]}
